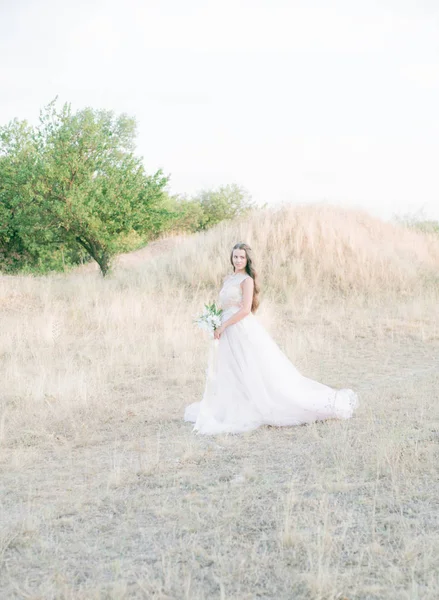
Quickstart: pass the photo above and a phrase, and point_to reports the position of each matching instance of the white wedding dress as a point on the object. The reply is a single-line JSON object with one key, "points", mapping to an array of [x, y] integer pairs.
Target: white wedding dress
{"points": [[250, 382]]}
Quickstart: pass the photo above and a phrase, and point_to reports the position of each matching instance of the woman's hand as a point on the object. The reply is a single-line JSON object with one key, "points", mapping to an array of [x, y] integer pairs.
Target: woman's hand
{"points": [[217, 333]]}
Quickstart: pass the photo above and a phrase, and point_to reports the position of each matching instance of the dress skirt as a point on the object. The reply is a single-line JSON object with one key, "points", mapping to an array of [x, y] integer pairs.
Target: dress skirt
{"points": [[250, 382]]}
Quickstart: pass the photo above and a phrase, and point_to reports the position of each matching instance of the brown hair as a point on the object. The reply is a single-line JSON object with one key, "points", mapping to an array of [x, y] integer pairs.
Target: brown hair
{"points": [[250, 270]]}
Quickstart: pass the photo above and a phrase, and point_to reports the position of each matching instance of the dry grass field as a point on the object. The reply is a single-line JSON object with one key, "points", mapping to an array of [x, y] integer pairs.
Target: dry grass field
{"points": [[106, 493]]}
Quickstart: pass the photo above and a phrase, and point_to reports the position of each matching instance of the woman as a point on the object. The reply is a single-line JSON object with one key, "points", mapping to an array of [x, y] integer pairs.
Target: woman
{"points": [[250, 382]]}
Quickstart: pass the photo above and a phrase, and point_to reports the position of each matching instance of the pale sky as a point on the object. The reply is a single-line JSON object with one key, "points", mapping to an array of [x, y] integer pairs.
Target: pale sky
{"points": [[299, 100]]}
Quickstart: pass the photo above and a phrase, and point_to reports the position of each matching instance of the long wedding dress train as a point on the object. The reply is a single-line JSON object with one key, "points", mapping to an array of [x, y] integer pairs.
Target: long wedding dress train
{"points": [[250, 382]]}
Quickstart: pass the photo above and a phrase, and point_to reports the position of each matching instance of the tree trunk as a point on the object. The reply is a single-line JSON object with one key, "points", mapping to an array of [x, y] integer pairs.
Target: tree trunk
{"points": [[104, 262], [101, 256]]}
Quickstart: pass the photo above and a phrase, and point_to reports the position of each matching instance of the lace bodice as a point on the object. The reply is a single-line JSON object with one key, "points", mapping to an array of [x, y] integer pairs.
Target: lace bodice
{"points": [[231, 292]]}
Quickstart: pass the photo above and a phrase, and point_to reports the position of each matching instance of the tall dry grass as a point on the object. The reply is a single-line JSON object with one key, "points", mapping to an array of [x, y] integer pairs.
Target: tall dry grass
{"points": [[95, 375], [317, 249]]}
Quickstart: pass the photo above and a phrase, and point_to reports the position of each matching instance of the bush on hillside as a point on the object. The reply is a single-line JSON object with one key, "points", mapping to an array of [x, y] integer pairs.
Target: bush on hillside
{"points": [[208, 208]]}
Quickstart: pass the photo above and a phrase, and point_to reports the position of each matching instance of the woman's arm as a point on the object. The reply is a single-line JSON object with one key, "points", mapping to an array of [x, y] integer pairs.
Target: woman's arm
{"points": [[247, 299]]}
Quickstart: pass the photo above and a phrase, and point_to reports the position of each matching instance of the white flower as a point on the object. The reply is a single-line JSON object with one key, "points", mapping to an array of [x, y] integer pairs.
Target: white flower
{"points": [[210, 318]]}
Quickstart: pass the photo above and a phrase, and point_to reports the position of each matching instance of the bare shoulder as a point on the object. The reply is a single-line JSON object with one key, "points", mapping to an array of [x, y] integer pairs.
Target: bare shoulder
{"points": [[247, 282]]}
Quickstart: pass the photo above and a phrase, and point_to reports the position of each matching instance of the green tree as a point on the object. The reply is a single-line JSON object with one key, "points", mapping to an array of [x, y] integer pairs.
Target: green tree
{"points": [[207, 208], [224, 203], [73, 182], [187, 214]]}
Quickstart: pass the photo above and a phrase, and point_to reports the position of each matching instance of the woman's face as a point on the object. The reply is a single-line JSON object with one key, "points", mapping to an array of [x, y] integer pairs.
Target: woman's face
{"points": [[239, 259]]}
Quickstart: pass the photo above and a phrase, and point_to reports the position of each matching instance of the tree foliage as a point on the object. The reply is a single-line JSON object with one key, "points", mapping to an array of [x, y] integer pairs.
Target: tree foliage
{"points": [[72, 187], [226, 202], [209, 207]]}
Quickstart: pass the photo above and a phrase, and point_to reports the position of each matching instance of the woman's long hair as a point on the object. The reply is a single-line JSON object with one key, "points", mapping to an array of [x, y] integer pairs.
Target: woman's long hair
{"points": [[250, 270]]}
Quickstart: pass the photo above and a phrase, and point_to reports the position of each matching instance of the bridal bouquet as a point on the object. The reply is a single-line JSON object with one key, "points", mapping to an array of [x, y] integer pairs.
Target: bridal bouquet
{"points": [[210, 318]]}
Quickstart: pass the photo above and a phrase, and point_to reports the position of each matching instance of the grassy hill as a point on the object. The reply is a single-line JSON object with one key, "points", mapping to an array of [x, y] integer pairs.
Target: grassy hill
{"points": [[108, 493]]}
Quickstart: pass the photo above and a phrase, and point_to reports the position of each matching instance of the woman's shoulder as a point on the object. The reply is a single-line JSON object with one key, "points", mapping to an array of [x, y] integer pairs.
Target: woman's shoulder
{"points": [[244, 277], [238, 277]]}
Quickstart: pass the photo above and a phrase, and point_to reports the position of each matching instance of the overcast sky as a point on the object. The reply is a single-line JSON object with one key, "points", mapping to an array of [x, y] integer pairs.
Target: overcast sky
{"points": [[296, 100]]}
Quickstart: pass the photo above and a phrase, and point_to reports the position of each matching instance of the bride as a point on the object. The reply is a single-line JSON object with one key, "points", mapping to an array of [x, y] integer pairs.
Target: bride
{"points": [[250, 382]]}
